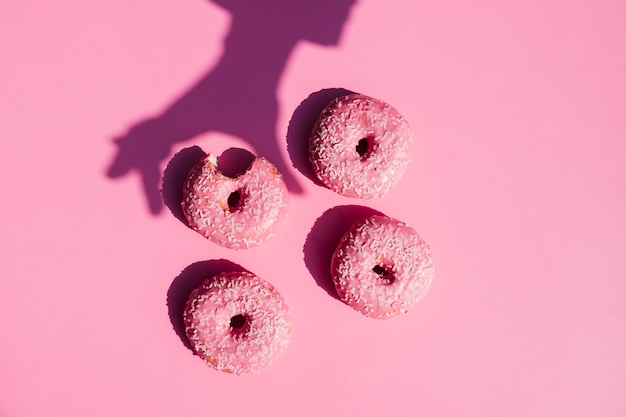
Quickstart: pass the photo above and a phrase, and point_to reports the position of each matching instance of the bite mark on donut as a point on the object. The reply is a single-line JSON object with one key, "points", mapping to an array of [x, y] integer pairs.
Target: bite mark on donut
{"points": [[234, 162]]}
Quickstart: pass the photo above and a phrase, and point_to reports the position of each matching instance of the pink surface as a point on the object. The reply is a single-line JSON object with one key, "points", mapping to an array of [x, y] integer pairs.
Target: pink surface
{"points": [[517, 182]]}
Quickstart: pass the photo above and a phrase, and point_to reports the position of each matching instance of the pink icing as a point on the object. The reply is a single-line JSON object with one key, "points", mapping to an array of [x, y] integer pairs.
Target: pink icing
{"points": [[381, 267], [359, 146], [237, 212], [237, 323]]}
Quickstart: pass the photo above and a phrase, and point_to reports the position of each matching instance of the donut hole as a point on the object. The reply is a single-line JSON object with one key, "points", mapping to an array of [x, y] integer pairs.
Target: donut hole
{"points": [[234, 200], [364, 147], [238, 322], [385, 274]]}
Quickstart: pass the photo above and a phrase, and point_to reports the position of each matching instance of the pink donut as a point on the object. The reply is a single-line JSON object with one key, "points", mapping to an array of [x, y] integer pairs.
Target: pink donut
{"points": [[381, 267], [236, 212], [359, 146], [237, 323]]}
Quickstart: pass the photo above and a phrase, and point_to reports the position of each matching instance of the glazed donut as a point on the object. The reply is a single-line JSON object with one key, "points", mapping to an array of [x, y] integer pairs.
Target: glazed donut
{"points": [[381, 267], [359, 146], [239, 212], [237, 323]]}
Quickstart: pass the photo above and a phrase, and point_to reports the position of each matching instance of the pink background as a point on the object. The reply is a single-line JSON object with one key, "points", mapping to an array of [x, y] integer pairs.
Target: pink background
{"points": [[518, 182]]}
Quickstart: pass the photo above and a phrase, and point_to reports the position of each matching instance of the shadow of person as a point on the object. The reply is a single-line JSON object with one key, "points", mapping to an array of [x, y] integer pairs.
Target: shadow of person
{"points": [[238, 96]]}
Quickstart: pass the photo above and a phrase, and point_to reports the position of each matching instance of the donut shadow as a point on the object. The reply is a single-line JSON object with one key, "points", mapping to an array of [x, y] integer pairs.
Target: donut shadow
{"points": [[174, 177], [322, 240], [301, 125], [183, 285]]}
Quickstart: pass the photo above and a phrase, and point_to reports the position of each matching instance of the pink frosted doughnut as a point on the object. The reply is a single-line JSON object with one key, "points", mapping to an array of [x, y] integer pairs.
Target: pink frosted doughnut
{"points": [[236, 212], [237, 323], [381, 267], [359, 146]]}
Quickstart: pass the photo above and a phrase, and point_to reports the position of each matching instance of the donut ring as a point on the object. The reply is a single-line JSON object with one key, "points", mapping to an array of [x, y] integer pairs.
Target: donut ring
{"points": [[359, 146], [236, 213], [381, 267], [237, 323]]}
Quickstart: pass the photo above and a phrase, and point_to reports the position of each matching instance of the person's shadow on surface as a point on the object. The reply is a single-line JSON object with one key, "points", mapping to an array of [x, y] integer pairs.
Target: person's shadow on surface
{"points": [[238, 96]]}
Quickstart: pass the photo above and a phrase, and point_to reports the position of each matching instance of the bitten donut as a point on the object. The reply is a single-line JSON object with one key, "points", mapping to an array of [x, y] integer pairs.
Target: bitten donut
{"points": [[239, 212], [359, 146], [237, 323], [381, 267]]}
